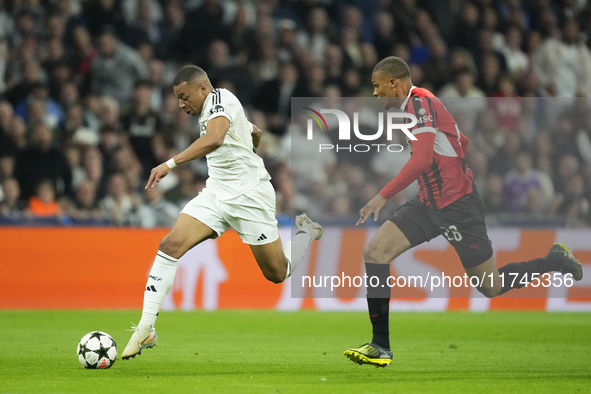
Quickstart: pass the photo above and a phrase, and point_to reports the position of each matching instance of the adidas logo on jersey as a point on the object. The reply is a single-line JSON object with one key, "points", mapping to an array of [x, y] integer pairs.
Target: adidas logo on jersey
{"points": [[151, 288], [262, 237]]}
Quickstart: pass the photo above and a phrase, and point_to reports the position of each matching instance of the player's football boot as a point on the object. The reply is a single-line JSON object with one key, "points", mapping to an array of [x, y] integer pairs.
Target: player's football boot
{"points": [[304, 223], [140, 340], [370, 353], [570, 265]]}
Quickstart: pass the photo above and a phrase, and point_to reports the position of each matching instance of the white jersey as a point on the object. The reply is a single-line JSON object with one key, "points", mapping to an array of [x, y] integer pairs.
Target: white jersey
{"points": [[234, 168]]}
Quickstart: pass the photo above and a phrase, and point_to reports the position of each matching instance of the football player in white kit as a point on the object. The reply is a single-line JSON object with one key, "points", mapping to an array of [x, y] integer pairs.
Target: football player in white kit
{"points": [[238, 195]]}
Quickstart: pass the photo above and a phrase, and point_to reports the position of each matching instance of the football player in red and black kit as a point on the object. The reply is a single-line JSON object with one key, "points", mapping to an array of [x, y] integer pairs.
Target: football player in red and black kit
{"points": [[448, 204]]}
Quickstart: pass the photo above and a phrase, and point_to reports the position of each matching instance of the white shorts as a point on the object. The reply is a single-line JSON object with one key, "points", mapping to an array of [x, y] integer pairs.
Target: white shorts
{"points": [[251, 214]]}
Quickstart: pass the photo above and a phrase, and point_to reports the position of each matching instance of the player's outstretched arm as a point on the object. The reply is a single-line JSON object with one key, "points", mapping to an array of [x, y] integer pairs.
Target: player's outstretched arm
{"points": [[217, 128], [420, 160]]}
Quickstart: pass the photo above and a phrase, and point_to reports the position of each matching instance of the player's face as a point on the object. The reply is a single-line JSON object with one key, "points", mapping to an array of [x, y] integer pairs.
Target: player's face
{"points": [[191, 97], [384, 89]]}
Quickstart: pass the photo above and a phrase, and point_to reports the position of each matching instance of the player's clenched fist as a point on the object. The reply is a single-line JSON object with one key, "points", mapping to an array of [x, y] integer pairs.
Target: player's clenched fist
{"points": [[157, 173], [374, 207]]}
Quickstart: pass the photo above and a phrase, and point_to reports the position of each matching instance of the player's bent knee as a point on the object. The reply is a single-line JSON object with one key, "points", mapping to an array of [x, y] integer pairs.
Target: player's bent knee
{"points": [[372, 255], [170, 246], [275, 275]]}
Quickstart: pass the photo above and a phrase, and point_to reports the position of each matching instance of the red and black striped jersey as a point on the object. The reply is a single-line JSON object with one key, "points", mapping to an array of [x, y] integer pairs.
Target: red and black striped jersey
{"points": [[448, 178]]}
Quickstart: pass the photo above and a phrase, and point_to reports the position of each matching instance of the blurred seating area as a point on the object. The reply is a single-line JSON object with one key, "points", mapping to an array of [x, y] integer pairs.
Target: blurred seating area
{"points": [[87, 107]]}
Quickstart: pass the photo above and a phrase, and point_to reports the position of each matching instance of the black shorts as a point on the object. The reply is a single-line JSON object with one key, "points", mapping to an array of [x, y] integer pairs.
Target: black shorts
{"points": [[461, 223]]}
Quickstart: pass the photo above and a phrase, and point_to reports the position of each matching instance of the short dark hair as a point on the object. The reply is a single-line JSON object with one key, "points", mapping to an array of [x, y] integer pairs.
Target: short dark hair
{"points": [[189, 74], [393, 67]]}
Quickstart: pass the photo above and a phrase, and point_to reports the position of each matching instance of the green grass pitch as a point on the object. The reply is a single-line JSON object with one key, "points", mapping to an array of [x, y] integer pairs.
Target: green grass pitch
{"points": [[301, 352]]}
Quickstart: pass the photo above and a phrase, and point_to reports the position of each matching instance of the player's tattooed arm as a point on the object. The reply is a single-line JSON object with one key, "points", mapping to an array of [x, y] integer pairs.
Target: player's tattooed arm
{"points": [[217, 128], [256, 136]]}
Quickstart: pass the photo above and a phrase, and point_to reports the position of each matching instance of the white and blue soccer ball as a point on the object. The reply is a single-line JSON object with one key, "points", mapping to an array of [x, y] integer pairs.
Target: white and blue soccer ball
{"points": [[97, 350]]}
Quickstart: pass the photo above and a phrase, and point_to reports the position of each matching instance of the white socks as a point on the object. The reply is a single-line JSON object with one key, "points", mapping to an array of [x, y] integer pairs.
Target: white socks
{"points": [[159, 284], [295, 250], [164, 270]]}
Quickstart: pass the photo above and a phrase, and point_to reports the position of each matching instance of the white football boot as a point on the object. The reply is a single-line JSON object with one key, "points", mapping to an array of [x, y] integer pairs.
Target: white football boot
{"points": [[145, 338], [304, 223]]}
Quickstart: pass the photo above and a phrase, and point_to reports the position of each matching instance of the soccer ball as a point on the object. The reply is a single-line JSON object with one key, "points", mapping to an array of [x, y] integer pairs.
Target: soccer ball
{"points": [[97, 350]]}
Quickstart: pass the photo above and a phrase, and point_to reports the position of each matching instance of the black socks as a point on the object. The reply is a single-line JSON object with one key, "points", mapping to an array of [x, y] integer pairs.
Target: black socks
{"points": [[378, 303], [526, 269]]}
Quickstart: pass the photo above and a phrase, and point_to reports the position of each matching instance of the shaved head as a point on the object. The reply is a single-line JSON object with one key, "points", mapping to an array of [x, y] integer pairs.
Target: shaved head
{"points": [[190, 74], [393, 67]]}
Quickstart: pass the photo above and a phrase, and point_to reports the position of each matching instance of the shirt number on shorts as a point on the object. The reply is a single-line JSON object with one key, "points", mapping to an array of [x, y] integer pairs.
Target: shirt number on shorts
{"points": [[452, 233]]}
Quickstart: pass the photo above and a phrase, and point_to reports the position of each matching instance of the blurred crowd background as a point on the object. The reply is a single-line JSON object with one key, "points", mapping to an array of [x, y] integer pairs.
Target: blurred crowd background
{"points": [[87, 108]]}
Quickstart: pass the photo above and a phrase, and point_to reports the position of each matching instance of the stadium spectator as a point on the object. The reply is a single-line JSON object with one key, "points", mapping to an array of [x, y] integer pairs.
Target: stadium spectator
{"points": [[565, 136], [505, 103], [220, 68], [435, 68], [572, 201], [73, 156], [184, 190], [518, 182], [543, 153], [95, 173], [264, 66], [274, 97], [119, 206], [156, 211], [172, 26], [504, 160], [468, 27], [103, 13], [144, 27], [563, 65], [11, 205], [489, 74], [335, 64], [140, 122], [42, 161], [17, 133], [494, 199], [82, 53], [207, 25], [127, 164], [7, 145], [516, 60], [489, 136], [43, 203], [31, 76], [534, 205], [318, 34], [75, 129], [568, 168], [6, 167], [116, 68], [462, 87], [455, 94]]}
